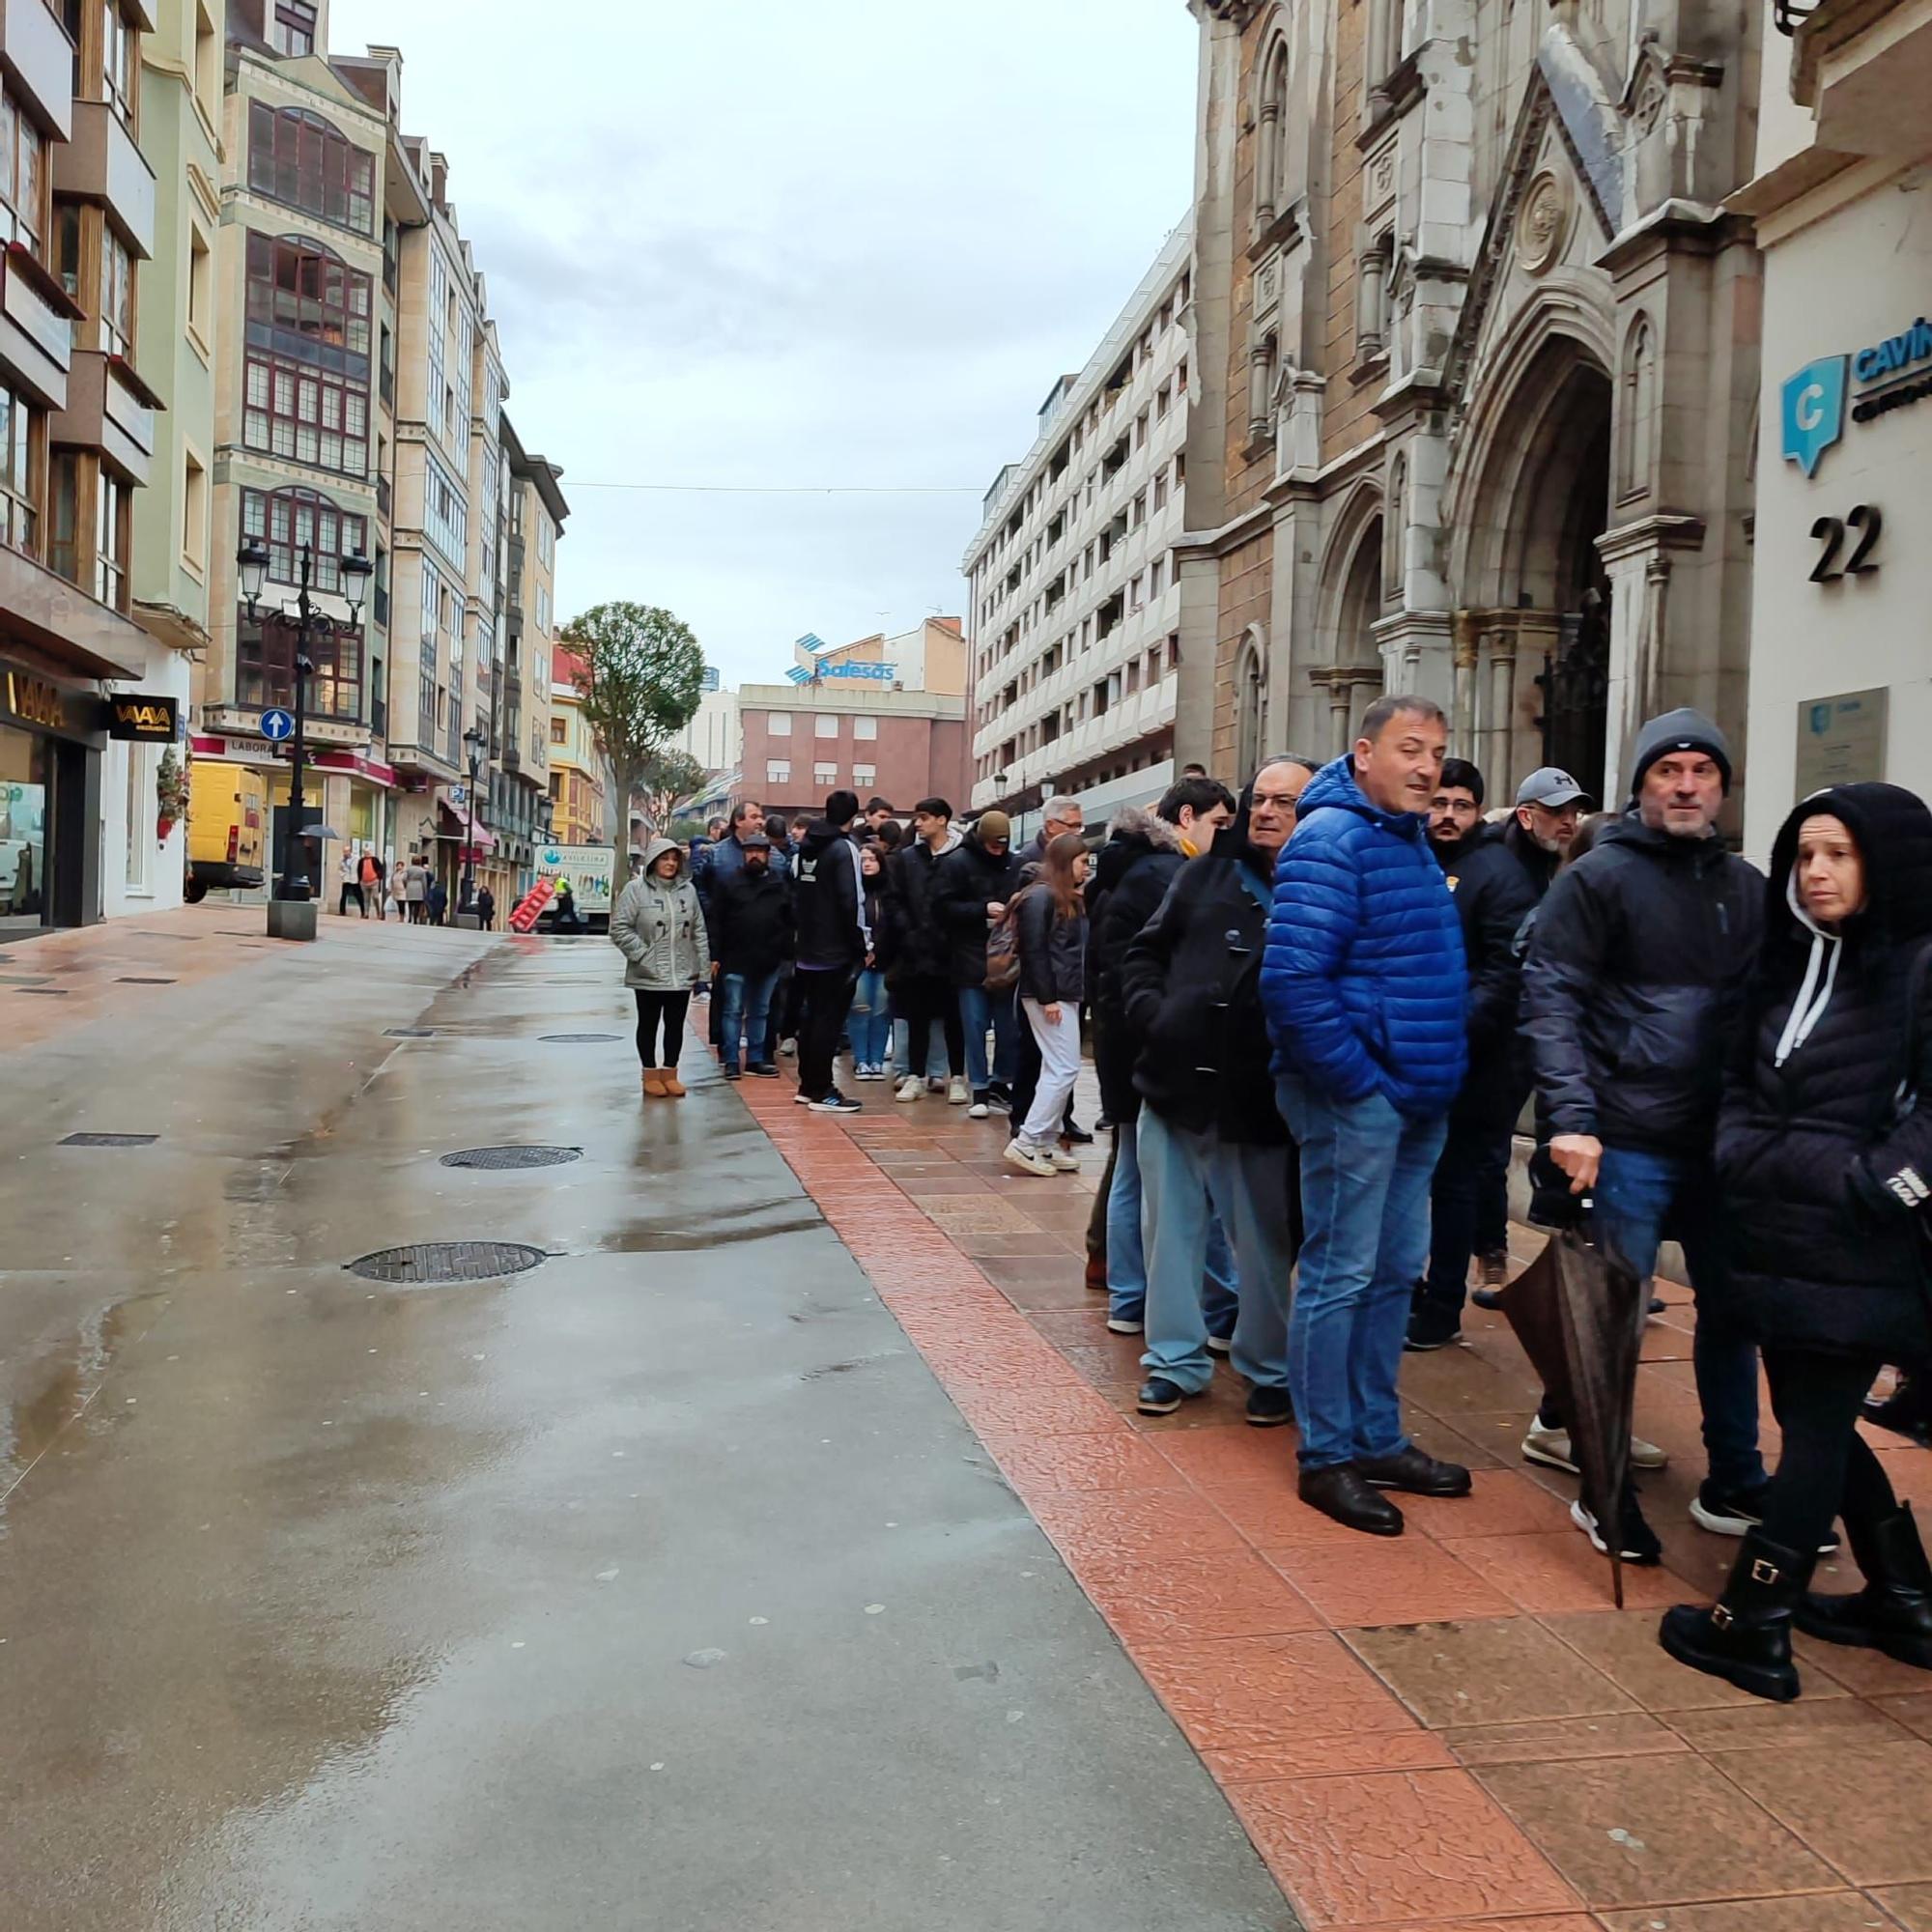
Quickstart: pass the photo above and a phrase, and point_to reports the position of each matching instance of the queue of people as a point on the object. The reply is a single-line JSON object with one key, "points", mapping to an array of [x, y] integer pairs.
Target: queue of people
{"points": [[1320, 1014]]}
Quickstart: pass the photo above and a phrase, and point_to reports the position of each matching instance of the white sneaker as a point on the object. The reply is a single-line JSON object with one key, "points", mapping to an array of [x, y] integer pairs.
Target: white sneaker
{"points": [[788, 1048], [1116, 1325], [1027, 1160], [957, 1095], [1063, 1161], [978, 1111], [910, 1088], [1551, 1448]]}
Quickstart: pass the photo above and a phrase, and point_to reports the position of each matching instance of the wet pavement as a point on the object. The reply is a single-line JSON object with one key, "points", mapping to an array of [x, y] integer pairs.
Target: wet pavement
{"points": [[657, 1585]]}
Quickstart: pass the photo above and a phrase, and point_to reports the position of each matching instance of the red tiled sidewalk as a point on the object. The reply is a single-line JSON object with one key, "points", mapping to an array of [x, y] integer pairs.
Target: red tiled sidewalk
{"points": [[1448, 1732]]}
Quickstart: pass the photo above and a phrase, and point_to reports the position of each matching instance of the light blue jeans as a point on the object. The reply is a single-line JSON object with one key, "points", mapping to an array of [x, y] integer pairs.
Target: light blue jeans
{"points": [[1186, 1178], [935, 1067], [980, 1009], [869, 1022], [1126, 1255], [1365, 1172]]}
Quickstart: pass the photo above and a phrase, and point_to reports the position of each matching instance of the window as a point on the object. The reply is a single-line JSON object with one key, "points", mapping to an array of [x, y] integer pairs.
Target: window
{"points": [[63, 493], [864, 775], [1156, 580], [777, 771], [301, 159], [113, 517], [825, 775], [777, 725], [445, 515], [19, 513], [306, 382], [207, 62], [542, 609], [1134, 592], [439, 303], [431, 602], [546, 539], [265, 668], [118, 43], [1160, 492], [292, 26], [559, 730], [195, 514], [200, 289], [865, 727], [116, 308], [291, 521], [465, 353], [23, 178], [825, 724], [1163, 401]]}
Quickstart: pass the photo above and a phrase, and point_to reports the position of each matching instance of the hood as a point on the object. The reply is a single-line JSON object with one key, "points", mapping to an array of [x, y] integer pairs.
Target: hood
{"points": [[950, 843], [819, 836], [1894, 831], [1132, 832], [1334, 785], [656, 850]]}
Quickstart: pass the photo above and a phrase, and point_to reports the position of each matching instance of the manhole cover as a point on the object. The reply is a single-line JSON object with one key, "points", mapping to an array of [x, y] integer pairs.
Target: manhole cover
{"points": [[109, 1140], [495, 1158], [140, 979], [432, 1262], [575, 1039], [408, 1033]]}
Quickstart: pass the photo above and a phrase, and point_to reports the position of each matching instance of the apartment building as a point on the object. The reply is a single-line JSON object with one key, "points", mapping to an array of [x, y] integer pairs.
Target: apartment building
{"points": [[712, 735], [1074, 632], [534, 515], [580, 779], [805, 741]]}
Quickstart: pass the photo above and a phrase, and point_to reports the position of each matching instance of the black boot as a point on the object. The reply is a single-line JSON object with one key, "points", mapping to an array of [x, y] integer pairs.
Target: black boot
{"points": [[1746, 1636], [1906, 1411], [1893, 1612]]}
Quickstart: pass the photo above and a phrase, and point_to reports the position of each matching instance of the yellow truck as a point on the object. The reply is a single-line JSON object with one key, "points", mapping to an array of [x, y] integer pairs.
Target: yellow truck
{"points": [[227, 827]]}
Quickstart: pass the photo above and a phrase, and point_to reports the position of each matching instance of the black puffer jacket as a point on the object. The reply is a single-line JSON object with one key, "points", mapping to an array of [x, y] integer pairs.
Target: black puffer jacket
{"points": [[1824, 1183], [917, 942], [967, 882], [1130, 878], [750, 920], [1052, 950], [1190, 993], [1498, 875], [1634, 983]]}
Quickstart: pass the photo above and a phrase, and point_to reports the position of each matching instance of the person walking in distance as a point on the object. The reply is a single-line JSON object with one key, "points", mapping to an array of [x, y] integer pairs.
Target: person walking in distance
{"points": [[748, 918], [658, 925], [1051, 917], [1498, 874], [486, 908], [436, 898], [971, 889], [1210, 1140], [376, 884], [349, 876], [1632, 990], [870, 1025], [415, 889], [920, 968], [1057, 816], [1824, 1150], [1365, 988], [834, 946]]}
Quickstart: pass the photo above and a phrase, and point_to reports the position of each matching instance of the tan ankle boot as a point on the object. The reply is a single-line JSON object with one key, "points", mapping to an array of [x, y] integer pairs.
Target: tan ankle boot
{"points": [[654, 1083], [673, 1085]]}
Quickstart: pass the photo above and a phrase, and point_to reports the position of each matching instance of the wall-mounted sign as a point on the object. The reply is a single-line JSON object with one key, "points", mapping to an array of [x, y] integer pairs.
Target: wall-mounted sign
{"points": [[1840, 740], [35, 701], [1890, 374], [143, 719], [877, 673]]}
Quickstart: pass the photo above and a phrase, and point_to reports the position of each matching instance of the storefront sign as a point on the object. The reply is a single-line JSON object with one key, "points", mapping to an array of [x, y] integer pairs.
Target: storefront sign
{"points": [[35, 701], [143, 719], [1840, 740], [878, 673], [1891, 374]]}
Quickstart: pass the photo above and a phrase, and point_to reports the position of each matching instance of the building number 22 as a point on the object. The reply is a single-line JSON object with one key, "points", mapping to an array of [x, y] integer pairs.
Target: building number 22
{"points": [[1866, 520]]}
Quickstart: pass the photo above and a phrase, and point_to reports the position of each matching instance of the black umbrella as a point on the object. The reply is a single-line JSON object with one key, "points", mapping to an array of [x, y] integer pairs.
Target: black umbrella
{"points": [[1579, 1311]]}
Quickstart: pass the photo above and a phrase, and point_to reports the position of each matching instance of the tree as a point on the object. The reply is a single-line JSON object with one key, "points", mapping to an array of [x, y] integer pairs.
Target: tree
{"points": [[668, 776], [643, 679]]}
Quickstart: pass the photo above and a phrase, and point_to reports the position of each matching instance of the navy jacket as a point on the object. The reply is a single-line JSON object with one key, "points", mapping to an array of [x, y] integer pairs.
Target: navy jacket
{"points": [[1364, 980]]}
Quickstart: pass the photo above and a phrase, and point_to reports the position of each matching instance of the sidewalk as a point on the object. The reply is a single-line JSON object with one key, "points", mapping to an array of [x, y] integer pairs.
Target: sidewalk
{"points": [[1448, 1732]]}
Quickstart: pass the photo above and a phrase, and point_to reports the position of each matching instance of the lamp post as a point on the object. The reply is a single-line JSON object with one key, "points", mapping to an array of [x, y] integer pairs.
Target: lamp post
{"points": [[253, 561], [473, 742]]}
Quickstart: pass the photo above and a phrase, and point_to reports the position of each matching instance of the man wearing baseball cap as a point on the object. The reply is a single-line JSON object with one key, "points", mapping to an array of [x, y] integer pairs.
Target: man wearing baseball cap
{"points": [[1498, 873]]}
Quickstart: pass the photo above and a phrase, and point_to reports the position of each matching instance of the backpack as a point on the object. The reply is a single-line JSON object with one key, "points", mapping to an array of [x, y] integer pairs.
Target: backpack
{"points": [[1003, 947]]}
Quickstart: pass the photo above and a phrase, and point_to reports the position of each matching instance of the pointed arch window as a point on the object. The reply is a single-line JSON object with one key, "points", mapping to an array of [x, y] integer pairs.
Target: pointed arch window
{"points": [[1272, 139], [1250, 703], [1636, 406]]}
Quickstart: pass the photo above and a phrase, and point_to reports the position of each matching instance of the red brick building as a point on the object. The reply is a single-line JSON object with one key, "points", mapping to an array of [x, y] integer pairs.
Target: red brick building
{"points": [[804, 740]]}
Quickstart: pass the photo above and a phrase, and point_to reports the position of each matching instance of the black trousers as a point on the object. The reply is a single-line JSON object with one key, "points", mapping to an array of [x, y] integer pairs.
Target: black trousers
{"points": [[824, 999], [665, 1011], [342, 909], [919, 1002], [1826, 1469]]}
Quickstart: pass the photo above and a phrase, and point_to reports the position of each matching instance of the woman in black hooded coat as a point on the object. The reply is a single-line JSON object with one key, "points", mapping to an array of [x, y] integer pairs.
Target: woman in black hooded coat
{"points": [[1826, 1165]]}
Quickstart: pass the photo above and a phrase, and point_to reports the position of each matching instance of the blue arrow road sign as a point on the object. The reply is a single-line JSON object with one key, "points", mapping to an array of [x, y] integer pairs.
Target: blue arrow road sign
{"points": [[276, 725]]}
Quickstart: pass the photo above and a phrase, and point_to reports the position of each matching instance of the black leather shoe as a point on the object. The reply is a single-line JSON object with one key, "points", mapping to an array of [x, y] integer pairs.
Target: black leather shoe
{"points": [[1893, 1613], [1073, 1135], [1270, 1408], [1342, 1493], [1160, 1397], [1415, 1472], [1746, 1636]]}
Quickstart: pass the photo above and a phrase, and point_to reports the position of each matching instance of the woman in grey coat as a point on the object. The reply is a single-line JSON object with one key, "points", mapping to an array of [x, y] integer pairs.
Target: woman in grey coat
{"points": [[659, 926]]}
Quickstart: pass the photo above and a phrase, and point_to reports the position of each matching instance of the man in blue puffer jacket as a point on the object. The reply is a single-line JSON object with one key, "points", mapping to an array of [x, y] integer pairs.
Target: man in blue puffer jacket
{"points": [[1365, 988]]}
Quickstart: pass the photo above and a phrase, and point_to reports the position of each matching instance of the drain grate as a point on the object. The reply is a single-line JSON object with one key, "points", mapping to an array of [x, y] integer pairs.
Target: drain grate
{"points": [[139, 980], [430, 1264], [575, 1039], [497, 1159], [46, 992], [109, 1140], [408, 1033]]}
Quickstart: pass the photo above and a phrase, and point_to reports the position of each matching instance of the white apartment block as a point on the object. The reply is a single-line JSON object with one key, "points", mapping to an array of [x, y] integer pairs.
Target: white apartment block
{"points": [[1074, 614]]}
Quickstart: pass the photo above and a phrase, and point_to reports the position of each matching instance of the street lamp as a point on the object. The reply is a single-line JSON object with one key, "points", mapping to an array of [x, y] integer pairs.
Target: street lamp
{"points": [[473, 742], [252, 560]]}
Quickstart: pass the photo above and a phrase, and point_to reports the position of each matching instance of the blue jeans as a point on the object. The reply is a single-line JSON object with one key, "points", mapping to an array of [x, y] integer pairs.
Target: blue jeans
{"points": [[1186, 1178], [1126, 1256], [978, 1010], [743, 1007], [870, 1022], [1638, 1196], [1365, 1172]]}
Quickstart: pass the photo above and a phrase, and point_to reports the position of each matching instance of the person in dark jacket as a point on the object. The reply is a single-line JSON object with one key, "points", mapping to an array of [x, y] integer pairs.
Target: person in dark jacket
{"points": [[1632, 991], [1131, 876], [486, 908], [919, 968], [1824, 1151], [749, 916], [1051, 915], [1057, 816], [1209, 1137], [1498, 874], [1456, 810], [970, 890], [1367, 993], [871, 1024], [834, 945]]}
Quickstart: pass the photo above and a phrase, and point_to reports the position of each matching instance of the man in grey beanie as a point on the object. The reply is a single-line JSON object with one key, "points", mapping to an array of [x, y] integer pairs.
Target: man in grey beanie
{"points": [[1634, 983]]}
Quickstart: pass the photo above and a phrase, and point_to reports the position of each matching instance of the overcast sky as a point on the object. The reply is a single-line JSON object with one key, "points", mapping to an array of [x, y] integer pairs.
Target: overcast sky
{"points": [[793, 242]]}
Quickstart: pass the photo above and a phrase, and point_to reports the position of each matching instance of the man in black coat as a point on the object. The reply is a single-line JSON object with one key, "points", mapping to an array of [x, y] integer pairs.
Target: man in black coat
{"points": [[835, 944], [920, 974], [749, 917], [1632, 990], [970, 890], [1498, 873]]}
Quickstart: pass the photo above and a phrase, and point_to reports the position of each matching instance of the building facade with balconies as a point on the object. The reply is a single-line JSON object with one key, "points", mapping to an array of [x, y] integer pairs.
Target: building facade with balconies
{"points": [[534, 514], [1074, 628], [579, 776]]}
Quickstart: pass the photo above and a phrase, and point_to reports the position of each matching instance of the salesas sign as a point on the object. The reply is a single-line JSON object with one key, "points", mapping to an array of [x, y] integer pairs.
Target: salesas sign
{"points": [[1890, 374], [143, 719]]}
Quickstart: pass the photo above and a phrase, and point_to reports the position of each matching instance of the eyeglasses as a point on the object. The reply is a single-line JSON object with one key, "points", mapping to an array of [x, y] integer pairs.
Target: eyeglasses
{"points": [[1287, 800]]}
